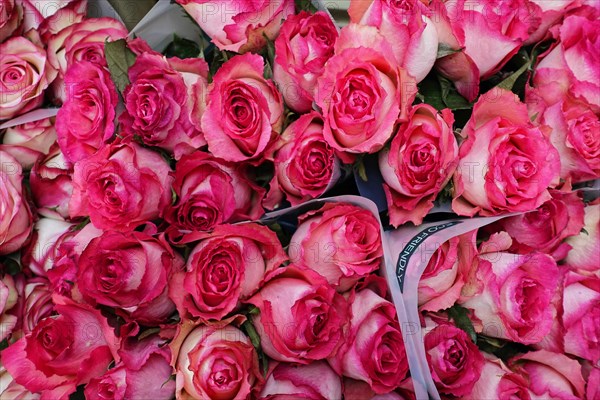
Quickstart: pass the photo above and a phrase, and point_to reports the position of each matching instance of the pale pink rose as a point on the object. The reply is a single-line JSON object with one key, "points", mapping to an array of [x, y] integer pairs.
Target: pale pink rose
{"points": [[363, 92], [16, 218], [49, 17], [244, 114], [305, 165], [302, 48], [9, 389], [8, 300], [213, 362], [25, 75], [407, 27], [419, 163], [227, 266], [506, 164], [38, 256], [29, 141], [239, 26], [586, 245], [314, 381], [551, 375], [37, 303], [121, 186], [159, 102], [302, 318], [549, 13], [342, 242], [11, 15], [498, 382]]}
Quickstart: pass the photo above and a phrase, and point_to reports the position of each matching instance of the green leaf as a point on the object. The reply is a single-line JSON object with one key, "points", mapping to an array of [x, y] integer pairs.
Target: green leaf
{"points": [[82, 224], [250, 330], [362, 170], [183, 48], [460, 316], [119, 59], [445, 50], [450, 96], [219, 58], [269, 57], [305, 5], [509, 82], [431, 92]]}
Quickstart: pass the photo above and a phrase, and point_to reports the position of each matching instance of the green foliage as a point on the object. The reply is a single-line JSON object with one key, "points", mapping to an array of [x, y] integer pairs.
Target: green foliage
{"points": [[119, 58]]}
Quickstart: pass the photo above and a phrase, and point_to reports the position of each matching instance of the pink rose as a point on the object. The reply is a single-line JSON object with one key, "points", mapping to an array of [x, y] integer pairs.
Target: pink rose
{"points": [[419, 163], [305, 165], [302, 48], [239, 26], [586, 245], [342, 242], [592, 390], [159, 102], [8, 300], [212, 192], [407, 27], [37, 304], [51, 184], [214, 363], [550, 13], [359, 390], [50, 17], [373, 349], [363, 92], [314, 381], [62, 352], [301, 318], [29, 141], [227, 266], [506, 164], [498, 382], [514, 292], [11, 15], [16, 218], [121, 186], [38, 256], [25, 76], [129, 272], [85, 122], [244, 114]]}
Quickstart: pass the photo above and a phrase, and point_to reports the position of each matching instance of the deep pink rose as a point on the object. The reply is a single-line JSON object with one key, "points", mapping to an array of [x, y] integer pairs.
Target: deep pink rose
{"points": [[506, 164], [305, 43], [212, 192], [342, 242], [24, 77], [16, 218], [244, 114], [592, 390], [363, 92], [11, 15], [407, 27], [121, 186], [214, 363], [498, 382], [305, 165], [227, 266], [239, 26], [62, 352], [159, 102], [39, 254], [29, 141], [314, 381], [301, 318], [419, 163], [9, 296], [586, 245]]}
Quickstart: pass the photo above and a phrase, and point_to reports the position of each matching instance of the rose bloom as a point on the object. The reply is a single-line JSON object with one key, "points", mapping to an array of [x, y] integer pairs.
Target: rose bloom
{"points": [[244, 114], [121, 186], [301, 318], [37, 303], [51, 184], [305, 165], [592, 390], [239, 26], [159, 102], [373, 348], [342, 242], [129, 272], [212, 192], [214, 362], [225, 267], [25, 75], [11, 15], [85, 122], [9, 296], [16, 218], [314, 381], [419, 163], [407, 27], [496, 381], [363, 92], [38, 255], [303, 46], [514, 292], [550, 13], [506, 164], [586, 245], [49, 18], [62, 352], [29, 141]]}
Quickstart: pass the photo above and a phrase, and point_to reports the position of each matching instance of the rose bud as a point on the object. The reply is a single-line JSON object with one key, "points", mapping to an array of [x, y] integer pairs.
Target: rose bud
{"points": [[419, 163], [244, 114], [121, 186], [214, 363], [226, 266], [16, 219], [342, 242], [29, 141], [586, 245], [9, 296], [39, 255], [301, 318], [11, 15], [303, 46], [314, 381], [305, 164], [498, 382]]}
